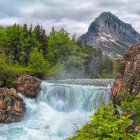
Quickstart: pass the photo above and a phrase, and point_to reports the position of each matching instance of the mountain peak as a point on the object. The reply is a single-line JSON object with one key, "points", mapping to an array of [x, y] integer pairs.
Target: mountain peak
{"points": [[104, 14], [108, 17], [108, 29]]}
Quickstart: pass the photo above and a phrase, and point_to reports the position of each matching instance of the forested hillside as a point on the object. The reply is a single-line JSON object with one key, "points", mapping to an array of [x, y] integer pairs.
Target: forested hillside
{"points": [[28, 50]]}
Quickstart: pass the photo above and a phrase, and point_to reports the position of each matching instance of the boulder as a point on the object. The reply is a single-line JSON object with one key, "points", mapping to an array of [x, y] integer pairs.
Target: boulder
{"points": [[29, 86], [12, 107], [128, 76]]}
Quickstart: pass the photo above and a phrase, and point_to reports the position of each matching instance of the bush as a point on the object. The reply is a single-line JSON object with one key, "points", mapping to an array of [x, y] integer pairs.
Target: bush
{"points": [[108, 123], [105, 125]]}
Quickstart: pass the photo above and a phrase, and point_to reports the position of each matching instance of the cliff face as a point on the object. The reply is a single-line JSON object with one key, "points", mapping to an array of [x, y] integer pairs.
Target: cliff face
{"points": [[128, 77], [110, 34]]}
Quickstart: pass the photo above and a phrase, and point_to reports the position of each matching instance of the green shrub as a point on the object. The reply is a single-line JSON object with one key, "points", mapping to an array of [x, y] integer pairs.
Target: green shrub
{"points": [[105, 125], [113, 123]]}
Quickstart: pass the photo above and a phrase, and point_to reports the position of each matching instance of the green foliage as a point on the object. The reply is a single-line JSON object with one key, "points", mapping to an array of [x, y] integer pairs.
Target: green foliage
{"points": [[58, 71], [59, 46], [105, 74], [19, 41], [98, 65], [109, 124], [105, 125], [110, 70], [28, 50], [9, 71], [131, 105], [37, 62], [76, 60]]}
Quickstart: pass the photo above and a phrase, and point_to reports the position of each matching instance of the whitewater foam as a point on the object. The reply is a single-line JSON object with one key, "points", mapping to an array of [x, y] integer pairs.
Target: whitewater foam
{"points": [[57, 113]]}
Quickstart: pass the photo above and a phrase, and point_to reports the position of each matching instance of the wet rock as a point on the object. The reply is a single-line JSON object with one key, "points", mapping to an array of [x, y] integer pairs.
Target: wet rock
{"points": [[128, 77], [12, 107], [29, 86]]}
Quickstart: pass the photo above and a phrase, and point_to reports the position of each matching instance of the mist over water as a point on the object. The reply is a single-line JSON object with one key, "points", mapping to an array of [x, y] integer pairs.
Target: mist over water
{"points": [[57, 113]]}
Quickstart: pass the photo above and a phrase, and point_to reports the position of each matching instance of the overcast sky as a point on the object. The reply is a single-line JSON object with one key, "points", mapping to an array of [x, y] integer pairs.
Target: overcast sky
{"points": [[74, 15]]}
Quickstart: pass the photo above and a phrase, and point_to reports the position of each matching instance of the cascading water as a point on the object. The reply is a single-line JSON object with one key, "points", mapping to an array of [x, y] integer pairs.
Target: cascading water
{"points": [[57, 112]]}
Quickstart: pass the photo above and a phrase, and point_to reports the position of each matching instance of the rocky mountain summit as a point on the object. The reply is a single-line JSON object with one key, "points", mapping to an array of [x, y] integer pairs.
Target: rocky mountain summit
{"points": [[110, 34]]}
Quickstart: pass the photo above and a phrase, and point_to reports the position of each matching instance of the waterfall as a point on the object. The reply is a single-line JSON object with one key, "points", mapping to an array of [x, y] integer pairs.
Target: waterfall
{"points": [[66, 97], [58, 111]]}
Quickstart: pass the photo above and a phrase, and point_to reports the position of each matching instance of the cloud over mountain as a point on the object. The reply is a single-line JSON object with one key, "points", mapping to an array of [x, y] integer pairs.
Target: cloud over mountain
{"points": [[74, 15]]}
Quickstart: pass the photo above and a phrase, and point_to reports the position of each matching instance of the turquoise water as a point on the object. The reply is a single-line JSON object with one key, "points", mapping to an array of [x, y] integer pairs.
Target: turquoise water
{"points": [[57, 113]]}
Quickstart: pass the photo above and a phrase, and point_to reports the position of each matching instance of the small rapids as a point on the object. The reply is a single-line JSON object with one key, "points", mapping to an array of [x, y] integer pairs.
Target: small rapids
{"points": [[57, 113]]}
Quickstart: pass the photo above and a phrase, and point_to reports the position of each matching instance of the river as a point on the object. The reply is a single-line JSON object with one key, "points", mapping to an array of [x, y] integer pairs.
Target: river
{"points": [[60, 109]]}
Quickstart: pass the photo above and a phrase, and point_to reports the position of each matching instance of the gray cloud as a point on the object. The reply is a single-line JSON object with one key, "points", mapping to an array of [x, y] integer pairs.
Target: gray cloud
{"points": [[74, 15]]}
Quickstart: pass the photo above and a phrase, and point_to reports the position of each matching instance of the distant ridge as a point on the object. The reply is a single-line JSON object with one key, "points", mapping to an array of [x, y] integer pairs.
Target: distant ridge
{"points": [[110, 34]]}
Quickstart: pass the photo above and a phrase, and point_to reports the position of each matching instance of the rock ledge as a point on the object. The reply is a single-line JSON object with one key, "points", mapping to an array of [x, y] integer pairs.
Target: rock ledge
{"points": [[29, 86]]}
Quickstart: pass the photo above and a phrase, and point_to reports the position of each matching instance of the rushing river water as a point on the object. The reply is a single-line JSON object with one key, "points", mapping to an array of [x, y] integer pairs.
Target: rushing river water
{"points": [[58, 112]]}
